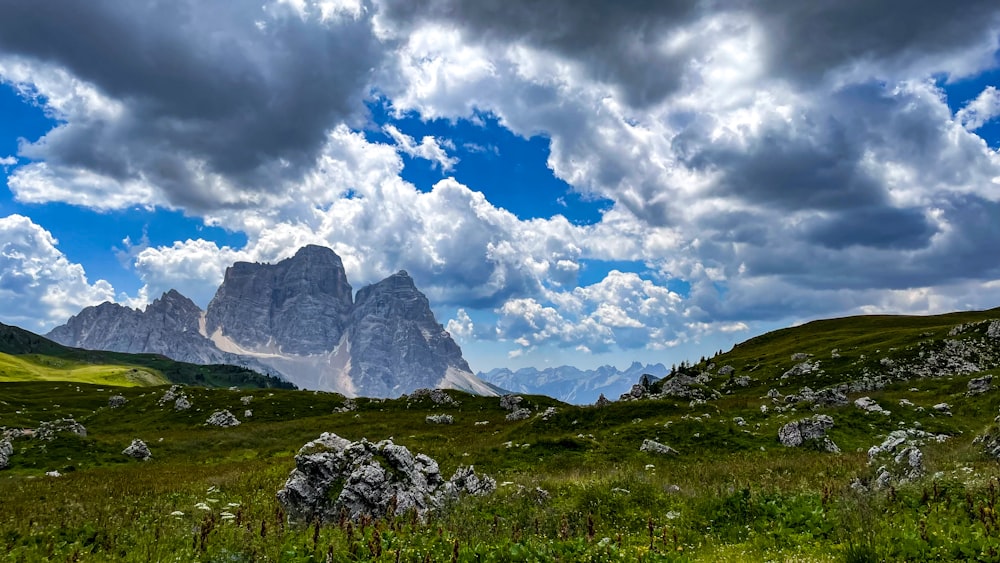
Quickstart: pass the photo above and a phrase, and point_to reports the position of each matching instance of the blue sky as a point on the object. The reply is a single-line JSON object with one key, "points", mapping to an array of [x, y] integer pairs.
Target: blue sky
{"points": [[596, 183]]}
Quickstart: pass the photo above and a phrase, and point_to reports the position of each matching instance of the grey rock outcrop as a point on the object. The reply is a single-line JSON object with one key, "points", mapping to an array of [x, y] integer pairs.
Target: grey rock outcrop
{"points": [[439, 419], [808, 430], [222, 419], [868, 404], [980, 385], [602, 401], [138, 450], [436, 396], [510, 402], [334, 476], [116, 401], [48, 430], [6, 450], [899, 458], [519, 414], [654, 447], [182, 403]]}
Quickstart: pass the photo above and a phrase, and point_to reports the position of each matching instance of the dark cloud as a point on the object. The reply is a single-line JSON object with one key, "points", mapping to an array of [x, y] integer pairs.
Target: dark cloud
{"points": [[225, 83], [619, 43], [884, 228], [808, 39]]}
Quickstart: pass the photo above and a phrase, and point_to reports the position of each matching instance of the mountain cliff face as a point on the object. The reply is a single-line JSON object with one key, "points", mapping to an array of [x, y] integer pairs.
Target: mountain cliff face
{"points": [[571, 384], [297, 306], [297, 318]]}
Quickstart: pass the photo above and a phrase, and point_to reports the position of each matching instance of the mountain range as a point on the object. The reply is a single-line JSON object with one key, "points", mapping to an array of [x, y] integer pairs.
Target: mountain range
{"points": [[571, 384], [299, 319]]}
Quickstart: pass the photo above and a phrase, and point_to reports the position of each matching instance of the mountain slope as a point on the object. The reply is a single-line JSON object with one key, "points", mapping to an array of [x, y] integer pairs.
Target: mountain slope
{"points": [[26, 356]]}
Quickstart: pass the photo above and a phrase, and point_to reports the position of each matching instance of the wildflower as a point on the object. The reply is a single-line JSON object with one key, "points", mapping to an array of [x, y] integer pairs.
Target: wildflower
{"points": [[202, 506], [228, 516], [650, 466], [177, 513]]}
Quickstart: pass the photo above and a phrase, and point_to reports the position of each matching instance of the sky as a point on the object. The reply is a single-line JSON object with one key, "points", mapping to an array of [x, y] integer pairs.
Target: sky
{"points": [[569, 182]]}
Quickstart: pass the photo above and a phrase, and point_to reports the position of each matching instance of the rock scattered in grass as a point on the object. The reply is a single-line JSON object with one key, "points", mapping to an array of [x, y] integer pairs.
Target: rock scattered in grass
{"points": [[437, 396], [334, 476], [222, 419], [48, 430], [519, 414], [116, 401], [868, 404], [6, 450], [942, 408], [654, 447], [808, 431], [439, 419], [182, 403], [510, 402], [138, 450], [246, 399], [979, 385]]}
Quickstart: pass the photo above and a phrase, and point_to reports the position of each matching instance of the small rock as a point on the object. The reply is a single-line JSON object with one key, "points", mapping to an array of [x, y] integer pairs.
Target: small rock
{"points": [[222, 419], [246, 399], [53, 474], [138, 450], [800, 356], [6, 450], [548, 413], [170, 395], [116, 401], [510, 402], [48, 430], [806, 430], [742, 381], [980, 385], [182, 403], [726, 370], [439, 419], [739, 421], [943, 408], [655, 447], [248, 413], [868, 404], [348, 406], [905, 403], [519, 414], [804, 368]]}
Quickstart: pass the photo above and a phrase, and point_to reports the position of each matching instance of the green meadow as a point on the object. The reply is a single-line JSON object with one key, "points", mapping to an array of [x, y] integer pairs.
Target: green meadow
{"points": [[574, 487]]}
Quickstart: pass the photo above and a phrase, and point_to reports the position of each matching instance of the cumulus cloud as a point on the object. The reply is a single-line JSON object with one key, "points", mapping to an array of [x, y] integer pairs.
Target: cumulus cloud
{"points": [[39, 286], [785, 160], [428, 149], [983, 109], [620, 312], [195, 105]]}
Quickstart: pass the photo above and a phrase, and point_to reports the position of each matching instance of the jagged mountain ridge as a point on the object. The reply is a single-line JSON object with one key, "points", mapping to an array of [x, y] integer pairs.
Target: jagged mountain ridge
{"points": [[297, 317], [571, 384]]}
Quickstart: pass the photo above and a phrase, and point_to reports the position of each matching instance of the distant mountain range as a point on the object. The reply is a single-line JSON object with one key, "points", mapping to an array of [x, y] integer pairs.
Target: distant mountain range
{"points": [[571, 384], [298, 318]]}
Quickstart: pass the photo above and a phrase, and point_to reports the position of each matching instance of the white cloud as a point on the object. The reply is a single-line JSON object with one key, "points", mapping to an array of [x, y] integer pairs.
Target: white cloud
{"points": [[981, 110], [39, 286], [8, 161], [428, 149], [461, 327]]}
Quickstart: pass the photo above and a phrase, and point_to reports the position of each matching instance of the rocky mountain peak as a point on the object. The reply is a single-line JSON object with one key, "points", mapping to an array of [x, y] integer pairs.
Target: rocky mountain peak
{"points": [[298, 305], [296, 317]]}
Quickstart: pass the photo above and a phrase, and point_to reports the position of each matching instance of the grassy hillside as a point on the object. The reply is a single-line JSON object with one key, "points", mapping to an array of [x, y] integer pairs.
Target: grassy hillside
{"points": [[574, 487], [41, 358], [36, 367]]}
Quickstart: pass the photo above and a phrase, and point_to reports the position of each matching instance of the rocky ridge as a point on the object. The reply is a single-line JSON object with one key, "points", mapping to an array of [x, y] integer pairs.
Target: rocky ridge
{"points": [[297, 318]]}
